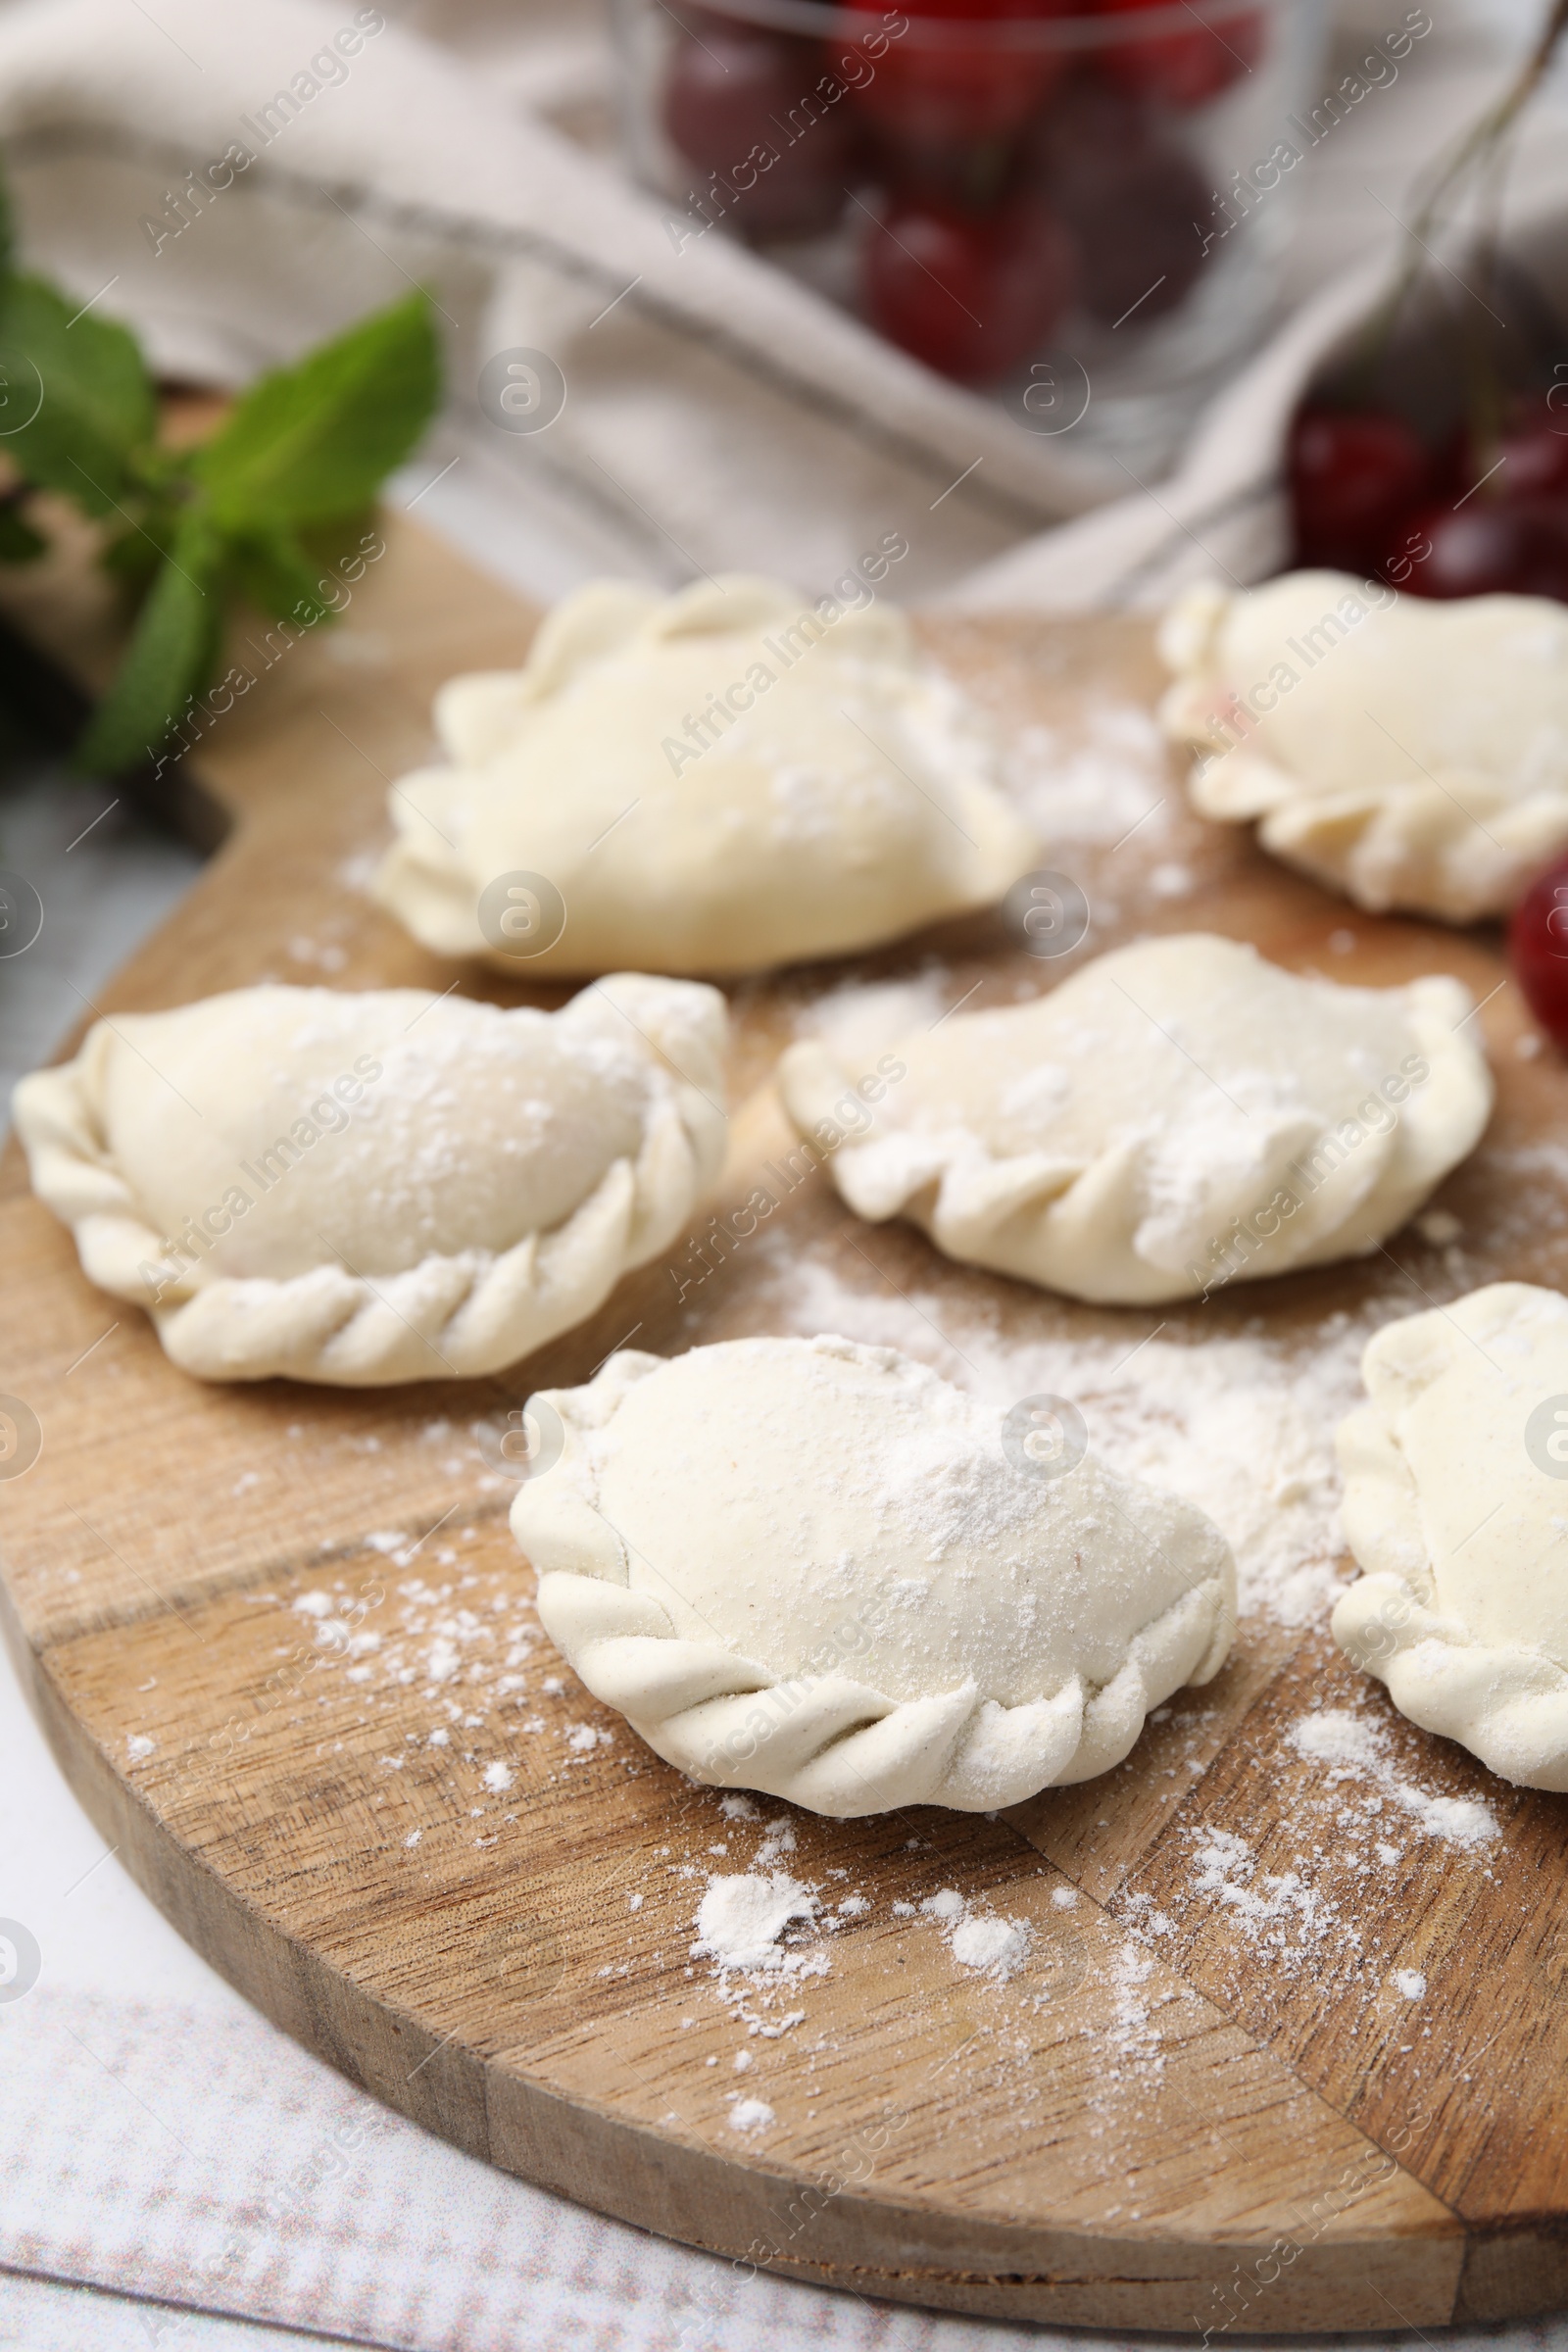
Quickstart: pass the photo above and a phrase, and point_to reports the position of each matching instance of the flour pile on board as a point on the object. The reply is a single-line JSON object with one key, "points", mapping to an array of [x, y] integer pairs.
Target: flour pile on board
{"points": [[991, 1944], [742, 1918]]}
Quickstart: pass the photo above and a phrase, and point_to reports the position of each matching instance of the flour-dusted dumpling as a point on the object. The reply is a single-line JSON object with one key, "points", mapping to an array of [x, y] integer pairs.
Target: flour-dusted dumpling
{"points": [[710, 782], [393, 1186], [817, 1568], [1175, 1115], [1457, 1506], [1411, 753]]}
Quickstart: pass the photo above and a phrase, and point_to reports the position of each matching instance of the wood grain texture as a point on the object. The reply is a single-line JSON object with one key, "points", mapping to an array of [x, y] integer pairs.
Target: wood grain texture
{"points": [[1180, 2114]]}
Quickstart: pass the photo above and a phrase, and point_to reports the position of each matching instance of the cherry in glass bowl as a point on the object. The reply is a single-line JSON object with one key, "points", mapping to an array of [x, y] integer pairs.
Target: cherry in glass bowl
{"points": [[991, 184]]}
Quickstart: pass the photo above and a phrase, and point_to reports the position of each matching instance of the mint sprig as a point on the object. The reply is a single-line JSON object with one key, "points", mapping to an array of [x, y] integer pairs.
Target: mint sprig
{"points": [[97, 407], [301, 452], [314, 443]]}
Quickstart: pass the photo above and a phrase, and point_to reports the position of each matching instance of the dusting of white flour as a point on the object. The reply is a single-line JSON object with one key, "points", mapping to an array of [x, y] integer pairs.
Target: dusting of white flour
{"points": [[1356, 1747], [1236, 1425], [1095, 786]]}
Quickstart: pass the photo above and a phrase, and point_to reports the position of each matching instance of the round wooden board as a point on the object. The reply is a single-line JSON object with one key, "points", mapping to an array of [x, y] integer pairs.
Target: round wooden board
{"points": [[1181, 2114]]}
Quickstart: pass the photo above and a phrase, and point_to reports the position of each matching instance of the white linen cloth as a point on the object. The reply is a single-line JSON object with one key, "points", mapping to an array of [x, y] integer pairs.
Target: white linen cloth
{"points": [[720, 410], [719, 414]]}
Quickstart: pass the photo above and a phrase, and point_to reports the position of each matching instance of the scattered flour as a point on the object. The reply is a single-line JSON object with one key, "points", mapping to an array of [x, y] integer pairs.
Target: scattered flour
{"points": [[1093, 789], [1276, 1908], [1354, 1745], [860, 1019], [1308, 1915], [1235, 1425], [986, 1941], [1134, 2034]]}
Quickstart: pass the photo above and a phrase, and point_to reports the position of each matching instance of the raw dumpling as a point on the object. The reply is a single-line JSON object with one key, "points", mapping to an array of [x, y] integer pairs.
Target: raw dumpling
{"points": [[1411, 753], [393, 1186], [1456, 1505], [817, 1569], [1175, 1115], [710, 782]]}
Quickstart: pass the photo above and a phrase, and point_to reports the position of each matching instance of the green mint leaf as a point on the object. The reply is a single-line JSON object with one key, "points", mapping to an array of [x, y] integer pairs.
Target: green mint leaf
{"points": [[20, 543], [309, 443], [134, 554], [170, 657], [96, 405], [279, 576]]}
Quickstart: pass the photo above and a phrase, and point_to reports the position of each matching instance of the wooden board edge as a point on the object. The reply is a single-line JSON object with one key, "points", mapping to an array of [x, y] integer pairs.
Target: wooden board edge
{"points": [[865, 2244]]}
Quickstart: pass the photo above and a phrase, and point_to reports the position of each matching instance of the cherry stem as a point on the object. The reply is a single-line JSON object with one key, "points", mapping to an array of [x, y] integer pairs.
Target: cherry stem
{"points": [[1480, 156]]}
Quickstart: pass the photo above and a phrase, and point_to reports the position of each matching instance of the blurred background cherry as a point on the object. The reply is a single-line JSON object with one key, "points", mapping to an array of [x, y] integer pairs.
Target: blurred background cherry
{"points": [[935, 95], [1533, 450], [1010, 181], [1538, 949], [1127, 193], [1355, 475], [971, 294], [1492, 546], [1187, 68], [1468, 514], [734, 88]]}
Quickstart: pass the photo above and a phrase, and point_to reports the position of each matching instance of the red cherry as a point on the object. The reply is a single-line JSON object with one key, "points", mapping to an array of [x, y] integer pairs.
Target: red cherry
{"points": [[736, 95], [927, 96], [969, 296], [1488, 547], [1353, 474], [1185, 68], [1129, 197], [1534, 448], [1538, 949]]}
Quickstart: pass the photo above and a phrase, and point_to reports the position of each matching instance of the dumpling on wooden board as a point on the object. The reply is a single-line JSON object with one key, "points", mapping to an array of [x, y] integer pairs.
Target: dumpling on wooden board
{"points": [[717, 781], [1175, 1115], [1409, 751], [377, 1187], [1457, 1506], [817, 1568]]}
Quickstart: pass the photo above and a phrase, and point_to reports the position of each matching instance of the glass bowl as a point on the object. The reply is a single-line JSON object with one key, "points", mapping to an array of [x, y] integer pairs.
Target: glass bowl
{"points": [[1077, 207]]}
